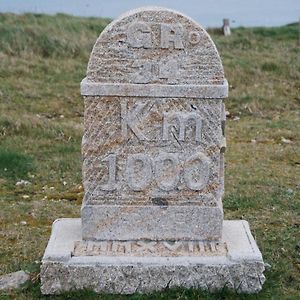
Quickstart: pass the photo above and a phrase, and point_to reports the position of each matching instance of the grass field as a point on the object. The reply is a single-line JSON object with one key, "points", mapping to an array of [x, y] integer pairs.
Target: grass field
{"points": [[42, 61]]}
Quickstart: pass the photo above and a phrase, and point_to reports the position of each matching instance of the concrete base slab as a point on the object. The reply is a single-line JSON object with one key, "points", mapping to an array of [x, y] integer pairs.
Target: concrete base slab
{"points": [[240, 269]]}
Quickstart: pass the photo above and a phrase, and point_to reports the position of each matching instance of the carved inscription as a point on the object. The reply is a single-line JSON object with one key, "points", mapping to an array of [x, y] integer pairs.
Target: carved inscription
{"points": [[181, 119], [196, 171], [151, 146], [172, 36], [149, 248], [111, 184], [194, 37], [150, 71], [169, 70], [144, 71], [138, 172], [165, 170], [129, 120], [139, 35]]}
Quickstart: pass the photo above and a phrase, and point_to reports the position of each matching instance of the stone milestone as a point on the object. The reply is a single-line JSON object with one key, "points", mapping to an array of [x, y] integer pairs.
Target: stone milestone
{"points": [[153, 168]]}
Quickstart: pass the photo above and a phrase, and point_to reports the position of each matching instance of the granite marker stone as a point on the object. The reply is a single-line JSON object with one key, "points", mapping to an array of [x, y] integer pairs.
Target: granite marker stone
{"points": [[153, 168]]}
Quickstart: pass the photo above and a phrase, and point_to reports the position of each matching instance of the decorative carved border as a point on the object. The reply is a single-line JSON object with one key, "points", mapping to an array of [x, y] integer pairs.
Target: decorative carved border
{"points": [[149, 248]]}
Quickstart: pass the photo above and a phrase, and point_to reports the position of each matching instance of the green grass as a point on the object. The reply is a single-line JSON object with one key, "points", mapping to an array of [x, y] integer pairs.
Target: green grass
{"points": [[27, 34], [14, 165], [42, 61]]}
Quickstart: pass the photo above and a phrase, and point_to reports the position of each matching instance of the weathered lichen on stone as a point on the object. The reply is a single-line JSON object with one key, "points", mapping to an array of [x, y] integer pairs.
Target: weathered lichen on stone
{"points": [[153, 168]]}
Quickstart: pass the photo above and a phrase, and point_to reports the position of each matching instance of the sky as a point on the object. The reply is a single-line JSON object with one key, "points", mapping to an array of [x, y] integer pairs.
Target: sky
{"points": [[209, 13]]}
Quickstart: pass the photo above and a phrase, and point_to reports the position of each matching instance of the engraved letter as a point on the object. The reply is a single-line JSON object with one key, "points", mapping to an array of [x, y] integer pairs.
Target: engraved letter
{"points": [[196, 171], [103, 246], [79, 248], [173, 247], [182, 118], [146, 246], [201, 247], [111, 183], [138, 171], [130, 119], [171, 34], [194, 37], [139, 35], [167, 171], [191, 246], [123, 247], [90, 248]]}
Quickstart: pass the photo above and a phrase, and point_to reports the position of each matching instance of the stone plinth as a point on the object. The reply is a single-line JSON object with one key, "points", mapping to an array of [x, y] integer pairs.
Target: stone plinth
{"points": [[239, 266]]}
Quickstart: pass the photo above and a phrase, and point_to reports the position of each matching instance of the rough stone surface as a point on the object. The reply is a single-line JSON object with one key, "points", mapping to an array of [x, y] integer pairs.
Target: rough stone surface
{"points": [[155, 45], [153, 131], [153, 168], [240, 269], [154, 222], [212, 91], [13, 280]]}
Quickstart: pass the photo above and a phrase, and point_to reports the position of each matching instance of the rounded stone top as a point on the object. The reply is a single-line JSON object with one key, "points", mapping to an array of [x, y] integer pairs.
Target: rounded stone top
{"points": [[155, 45]]}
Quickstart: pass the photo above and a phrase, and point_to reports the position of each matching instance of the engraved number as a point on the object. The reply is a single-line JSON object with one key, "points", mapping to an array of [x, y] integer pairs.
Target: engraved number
{"points": [[111, 184], [138, 171], [147, 71], [166, 169], [196, 170]]}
